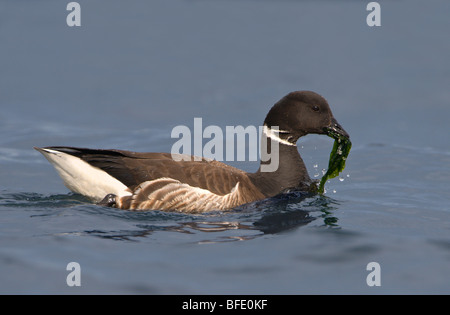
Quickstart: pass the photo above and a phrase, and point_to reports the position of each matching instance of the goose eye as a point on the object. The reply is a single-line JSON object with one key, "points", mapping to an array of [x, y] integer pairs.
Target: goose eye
{"points": [[315, 108]]}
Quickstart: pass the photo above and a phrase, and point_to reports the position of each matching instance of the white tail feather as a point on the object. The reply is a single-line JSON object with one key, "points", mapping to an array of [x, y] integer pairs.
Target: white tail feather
{"points": [[83, 178]]}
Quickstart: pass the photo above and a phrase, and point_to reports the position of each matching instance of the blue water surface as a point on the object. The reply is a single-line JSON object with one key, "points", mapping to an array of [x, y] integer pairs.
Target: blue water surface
{"points": [[131, 72]]}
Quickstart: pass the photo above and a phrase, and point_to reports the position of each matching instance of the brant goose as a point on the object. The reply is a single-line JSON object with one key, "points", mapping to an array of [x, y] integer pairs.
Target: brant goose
{"points": [[156, 181]]}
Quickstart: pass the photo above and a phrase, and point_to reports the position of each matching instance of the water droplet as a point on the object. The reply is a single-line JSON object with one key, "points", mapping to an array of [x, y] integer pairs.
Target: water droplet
{"points": [[341, 178], [323, 171], [334, 191], [316, 175], [348, 175], [316, 165]]}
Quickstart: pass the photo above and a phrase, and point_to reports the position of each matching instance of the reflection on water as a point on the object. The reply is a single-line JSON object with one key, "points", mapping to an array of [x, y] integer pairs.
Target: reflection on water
{"points": [[271, 216]]}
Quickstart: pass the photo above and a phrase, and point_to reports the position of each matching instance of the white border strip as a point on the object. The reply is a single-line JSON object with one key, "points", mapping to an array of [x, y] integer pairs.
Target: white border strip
{"points": [[273, 134]]}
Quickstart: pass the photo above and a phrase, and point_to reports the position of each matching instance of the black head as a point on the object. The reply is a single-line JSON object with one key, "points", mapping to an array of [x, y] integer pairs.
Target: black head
{"points": [[300, 113]]}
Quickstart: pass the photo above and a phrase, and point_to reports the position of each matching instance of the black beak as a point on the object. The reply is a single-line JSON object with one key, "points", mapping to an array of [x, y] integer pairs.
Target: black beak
{"points": [[335, 130]]}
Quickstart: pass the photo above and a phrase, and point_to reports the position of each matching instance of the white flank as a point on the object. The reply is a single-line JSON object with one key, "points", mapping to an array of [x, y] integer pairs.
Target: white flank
{"points": [[273, 134], [82, 178], [174, 195]]}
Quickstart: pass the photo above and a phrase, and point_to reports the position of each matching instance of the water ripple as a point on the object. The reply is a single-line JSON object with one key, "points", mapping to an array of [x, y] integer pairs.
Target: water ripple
{"points": [[271, 216]]}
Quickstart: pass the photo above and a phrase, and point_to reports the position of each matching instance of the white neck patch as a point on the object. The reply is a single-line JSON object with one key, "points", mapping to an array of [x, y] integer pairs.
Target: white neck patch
{"points": [[274, 135]]}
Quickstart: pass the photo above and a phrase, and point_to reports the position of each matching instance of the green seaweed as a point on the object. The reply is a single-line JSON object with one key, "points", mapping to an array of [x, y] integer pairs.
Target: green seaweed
{"points": [[338, 156]]}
